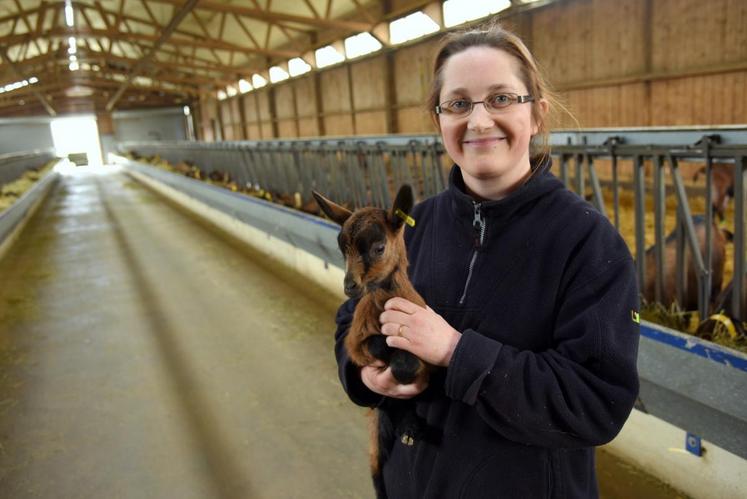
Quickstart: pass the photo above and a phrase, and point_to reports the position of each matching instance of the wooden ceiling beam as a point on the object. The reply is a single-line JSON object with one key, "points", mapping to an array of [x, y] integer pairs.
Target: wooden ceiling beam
{"points": [[47, 106], [28, 25], [20, 13], [178, 17], [104, 14], [49, 83], [118, 35], [40, 17], [268, 16], [312, 9], [360, 8], [216, 75]]}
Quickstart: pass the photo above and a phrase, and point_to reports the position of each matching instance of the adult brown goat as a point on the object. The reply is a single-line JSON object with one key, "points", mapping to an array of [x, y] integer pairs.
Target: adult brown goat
{"points": [[372, 242], [722, 186], [668, 286]]}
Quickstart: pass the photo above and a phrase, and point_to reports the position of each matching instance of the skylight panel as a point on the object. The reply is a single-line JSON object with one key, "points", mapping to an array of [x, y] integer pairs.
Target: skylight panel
{"points": [[327, 56], [73, 45], [244, 86], [258, 81], [74, 66], [461, 11], [221, 95], [298, 66], [18, 84], [361, 44], [278, 74], [231, 90], [411, 27]]}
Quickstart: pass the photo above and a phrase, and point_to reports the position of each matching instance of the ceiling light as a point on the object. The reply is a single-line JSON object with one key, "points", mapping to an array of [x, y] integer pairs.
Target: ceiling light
{"points": [[74, 66], [69, 17]]}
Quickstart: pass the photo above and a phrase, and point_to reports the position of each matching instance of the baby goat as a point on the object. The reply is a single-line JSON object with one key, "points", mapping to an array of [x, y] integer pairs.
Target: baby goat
{"points": [[371, 240]]}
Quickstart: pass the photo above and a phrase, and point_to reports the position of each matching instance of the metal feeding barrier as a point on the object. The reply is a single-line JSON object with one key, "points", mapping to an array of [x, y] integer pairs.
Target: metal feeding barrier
{"points": [[14, 165], [366, 171]]}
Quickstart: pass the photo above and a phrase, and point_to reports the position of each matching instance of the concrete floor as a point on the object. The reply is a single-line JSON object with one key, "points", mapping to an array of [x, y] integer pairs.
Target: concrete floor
{"points": [[144, 356]]}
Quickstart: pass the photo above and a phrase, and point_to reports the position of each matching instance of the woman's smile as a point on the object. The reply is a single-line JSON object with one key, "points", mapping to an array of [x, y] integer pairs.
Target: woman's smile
{"points": [[483, 141]]}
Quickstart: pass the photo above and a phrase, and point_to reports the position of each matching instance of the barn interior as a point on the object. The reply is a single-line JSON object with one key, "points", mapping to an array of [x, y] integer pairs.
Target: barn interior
{"points": [[162, 266]]}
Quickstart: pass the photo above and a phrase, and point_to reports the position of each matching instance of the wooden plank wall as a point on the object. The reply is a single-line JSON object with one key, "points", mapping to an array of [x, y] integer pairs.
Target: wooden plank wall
{"points": [[613, 63]]}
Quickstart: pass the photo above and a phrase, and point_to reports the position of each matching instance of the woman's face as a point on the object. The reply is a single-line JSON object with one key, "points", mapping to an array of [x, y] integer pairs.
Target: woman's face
{"points": [[491, 148]]}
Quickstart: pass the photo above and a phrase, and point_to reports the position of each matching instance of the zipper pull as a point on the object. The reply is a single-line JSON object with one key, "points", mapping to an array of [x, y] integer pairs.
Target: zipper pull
{"points": [[479, 225]]}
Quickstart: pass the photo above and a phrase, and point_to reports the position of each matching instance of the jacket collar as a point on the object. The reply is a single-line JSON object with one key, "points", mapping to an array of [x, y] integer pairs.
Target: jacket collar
{"points": [[539, 183]]}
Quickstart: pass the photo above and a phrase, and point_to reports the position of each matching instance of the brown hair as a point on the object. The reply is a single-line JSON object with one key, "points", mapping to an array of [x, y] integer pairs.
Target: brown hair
{"points": [[493, 35]]}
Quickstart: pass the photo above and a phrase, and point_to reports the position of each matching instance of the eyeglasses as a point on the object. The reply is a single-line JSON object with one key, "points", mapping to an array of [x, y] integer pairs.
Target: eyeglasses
{"points": [[493, 104]]}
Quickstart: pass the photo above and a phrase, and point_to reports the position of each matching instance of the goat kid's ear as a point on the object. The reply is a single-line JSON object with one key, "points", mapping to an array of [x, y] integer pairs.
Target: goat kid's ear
{"points": [[402, 203], [334, 211]]}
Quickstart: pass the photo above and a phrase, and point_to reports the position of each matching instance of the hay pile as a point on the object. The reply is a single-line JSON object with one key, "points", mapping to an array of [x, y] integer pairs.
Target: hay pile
{"points": [[11, 191]]}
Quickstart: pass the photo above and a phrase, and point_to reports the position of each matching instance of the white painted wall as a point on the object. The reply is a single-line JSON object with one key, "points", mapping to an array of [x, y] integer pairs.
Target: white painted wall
{"points": [[25, 134]]}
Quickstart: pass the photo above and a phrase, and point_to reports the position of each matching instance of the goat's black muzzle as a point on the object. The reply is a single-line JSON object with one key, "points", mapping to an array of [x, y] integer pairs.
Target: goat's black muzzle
{"points": [[351, 289]]}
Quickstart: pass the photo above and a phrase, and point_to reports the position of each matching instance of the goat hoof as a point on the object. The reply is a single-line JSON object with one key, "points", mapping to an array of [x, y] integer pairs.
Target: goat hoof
{"points": [[405, 366], [407, 440], [377, 347]]}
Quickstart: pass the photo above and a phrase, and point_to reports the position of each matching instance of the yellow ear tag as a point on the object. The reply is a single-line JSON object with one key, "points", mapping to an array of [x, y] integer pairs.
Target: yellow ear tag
{"points": [[404, 216], [636, 316]]}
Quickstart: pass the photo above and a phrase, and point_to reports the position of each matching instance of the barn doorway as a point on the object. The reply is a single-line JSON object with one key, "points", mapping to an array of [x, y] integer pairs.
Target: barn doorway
{"points": [[77, 139]]}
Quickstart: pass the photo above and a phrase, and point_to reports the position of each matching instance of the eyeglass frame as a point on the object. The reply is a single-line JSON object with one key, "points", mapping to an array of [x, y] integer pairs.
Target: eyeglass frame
{"points": [[515, 99]]}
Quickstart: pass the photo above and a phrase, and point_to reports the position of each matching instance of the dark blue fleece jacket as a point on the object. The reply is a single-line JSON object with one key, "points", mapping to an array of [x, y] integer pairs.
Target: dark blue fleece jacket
{"points": [[542, 288]]}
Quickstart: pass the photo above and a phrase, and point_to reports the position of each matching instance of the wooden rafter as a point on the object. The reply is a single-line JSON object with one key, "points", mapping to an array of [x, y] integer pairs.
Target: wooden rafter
{"points": [[205, 31], [328, 10], [178, 17], [360, 8], [28, 25], [20, 76], [268, 16], [118, 35], [311, 8], [40, 16]]}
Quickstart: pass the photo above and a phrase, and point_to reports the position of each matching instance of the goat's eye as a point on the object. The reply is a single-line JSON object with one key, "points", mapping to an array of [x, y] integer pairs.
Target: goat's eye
{"points": [[378, 249]]}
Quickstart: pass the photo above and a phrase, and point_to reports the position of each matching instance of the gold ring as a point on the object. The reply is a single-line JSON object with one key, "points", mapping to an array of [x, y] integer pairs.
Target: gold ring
{"points": [[400, 329]]}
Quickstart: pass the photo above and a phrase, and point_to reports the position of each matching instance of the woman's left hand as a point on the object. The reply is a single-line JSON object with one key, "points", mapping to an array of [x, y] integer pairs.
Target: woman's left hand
{"points": [[420, 331]]}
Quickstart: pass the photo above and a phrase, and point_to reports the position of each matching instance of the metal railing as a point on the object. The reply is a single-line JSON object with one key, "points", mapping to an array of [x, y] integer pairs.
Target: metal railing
{"points": [[13, 165], [365, 171]]}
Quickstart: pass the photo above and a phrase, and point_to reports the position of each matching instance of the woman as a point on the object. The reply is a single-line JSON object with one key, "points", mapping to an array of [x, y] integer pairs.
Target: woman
{"points": [[531, 299]]}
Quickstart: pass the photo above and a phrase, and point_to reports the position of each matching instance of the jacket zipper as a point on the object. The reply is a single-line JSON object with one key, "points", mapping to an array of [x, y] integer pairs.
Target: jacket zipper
{"points": [[478, 223]]}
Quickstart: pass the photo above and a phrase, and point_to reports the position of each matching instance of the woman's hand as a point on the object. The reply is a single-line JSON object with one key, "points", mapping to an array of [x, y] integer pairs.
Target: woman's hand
{"points": [[420, 331], [379, 379]]}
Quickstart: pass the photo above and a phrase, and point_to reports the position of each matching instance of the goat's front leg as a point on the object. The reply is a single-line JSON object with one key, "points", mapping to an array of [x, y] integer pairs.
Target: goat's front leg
{"points": [[364, 326]]}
